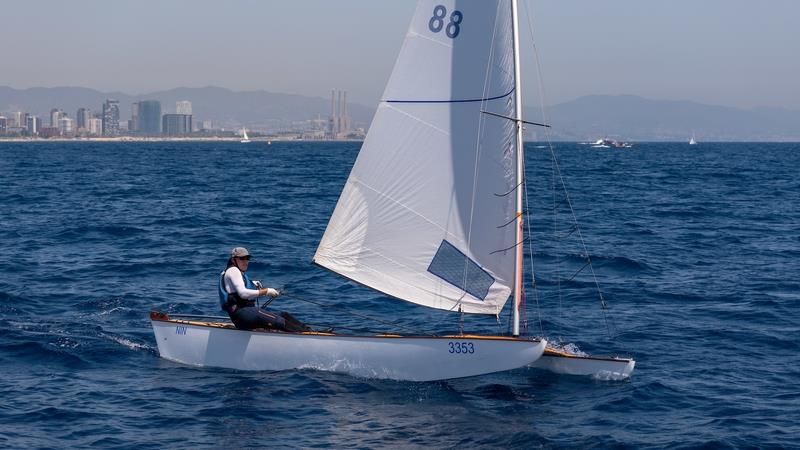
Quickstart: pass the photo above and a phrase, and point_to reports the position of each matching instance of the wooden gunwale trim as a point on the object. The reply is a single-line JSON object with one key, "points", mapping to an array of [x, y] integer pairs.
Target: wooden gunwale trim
{"points": [[561, 354], [161, 317]]}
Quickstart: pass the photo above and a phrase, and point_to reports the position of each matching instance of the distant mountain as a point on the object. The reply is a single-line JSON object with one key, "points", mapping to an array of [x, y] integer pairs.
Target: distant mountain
{"points": [[222, 106], [628, 117], [624, 117]]}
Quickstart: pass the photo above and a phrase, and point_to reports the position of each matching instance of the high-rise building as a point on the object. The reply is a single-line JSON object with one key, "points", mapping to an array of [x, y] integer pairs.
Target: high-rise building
{"points": [[3, 124], [177, 124], [82, 118], [95, 126], [33, 124], [55, 115], [149, 117], [66, 125], [111, 118], [133, 124], [19, 119], [183, 107]]}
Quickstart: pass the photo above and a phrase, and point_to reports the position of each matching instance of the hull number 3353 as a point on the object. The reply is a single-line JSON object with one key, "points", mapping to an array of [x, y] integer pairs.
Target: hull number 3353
{"points": [[460, 347]]}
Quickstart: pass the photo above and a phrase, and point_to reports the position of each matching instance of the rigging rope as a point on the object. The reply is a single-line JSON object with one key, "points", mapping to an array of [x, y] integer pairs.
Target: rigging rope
{"points": [[363, 316], [530, 255], [557, 171]]}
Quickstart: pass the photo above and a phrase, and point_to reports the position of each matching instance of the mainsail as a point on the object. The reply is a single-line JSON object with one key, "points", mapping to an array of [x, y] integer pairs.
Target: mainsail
{"points": [[427, 214]]}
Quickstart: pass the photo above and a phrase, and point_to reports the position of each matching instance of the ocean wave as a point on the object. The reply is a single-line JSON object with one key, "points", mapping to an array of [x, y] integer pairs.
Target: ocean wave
{"points": [[99, 232], [61, 352], [131, 344], [697, 266]]}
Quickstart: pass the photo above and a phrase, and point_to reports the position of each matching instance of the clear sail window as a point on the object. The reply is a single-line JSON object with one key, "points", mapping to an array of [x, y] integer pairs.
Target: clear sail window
{"points": [[454, 267]]}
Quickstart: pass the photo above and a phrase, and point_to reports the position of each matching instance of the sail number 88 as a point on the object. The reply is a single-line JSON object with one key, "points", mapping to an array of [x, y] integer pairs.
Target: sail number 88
{"points": [[437, 21], [460, 347]]}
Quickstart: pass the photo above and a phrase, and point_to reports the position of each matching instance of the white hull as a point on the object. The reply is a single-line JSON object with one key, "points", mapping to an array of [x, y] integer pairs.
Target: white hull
{"points": [[607, 368], [394, 357]]}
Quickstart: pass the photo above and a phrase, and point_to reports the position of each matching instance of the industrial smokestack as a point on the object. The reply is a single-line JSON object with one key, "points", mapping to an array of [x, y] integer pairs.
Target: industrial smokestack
{"points": [[332, 124], [339, 122], [345, 117]]}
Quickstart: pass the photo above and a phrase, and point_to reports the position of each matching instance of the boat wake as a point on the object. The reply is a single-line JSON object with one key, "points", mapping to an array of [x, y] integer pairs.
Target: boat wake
{"points": [[346, 366], [570, 348], [607, 375], [129, 344]]}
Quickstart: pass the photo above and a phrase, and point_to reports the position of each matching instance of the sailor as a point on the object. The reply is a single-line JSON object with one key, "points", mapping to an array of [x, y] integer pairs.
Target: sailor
{"points": [[237, 294]]}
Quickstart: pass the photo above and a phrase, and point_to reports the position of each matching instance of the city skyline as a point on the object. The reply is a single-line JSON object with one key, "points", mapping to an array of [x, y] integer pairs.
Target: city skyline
{"points": [[728, 53], [221, 110], [146, 120]]}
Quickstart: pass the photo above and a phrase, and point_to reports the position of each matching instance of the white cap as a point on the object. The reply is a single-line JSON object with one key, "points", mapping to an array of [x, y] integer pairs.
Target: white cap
{"points": [[239, 252]]}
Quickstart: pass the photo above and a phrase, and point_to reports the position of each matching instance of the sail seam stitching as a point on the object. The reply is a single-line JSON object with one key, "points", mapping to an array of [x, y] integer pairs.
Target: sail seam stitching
{"points": [[435, 41], [356, 180], [413, 117]]}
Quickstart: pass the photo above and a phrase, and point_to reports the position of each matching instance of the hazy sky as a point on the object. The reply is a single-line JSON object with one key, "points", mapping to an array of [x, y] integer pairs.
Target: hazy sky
{"points": [[725, 52]]}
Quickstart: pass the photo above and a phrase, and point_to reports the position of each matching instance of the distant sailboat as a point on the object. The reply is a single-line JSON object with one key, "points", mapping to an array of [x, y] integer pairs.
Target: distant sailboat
{"points": [[692, 141], [245, 139]]}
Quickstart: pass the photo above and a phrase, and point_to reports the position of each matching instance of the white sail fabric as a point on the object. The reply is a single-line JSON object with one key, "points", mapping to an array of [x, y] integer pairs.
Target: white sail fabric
{"points": [[427, 214]]}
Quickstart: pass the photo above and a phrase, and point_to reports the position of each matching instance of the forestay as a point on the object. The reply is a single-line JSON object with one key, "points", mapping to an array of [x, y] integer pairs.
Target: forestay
{"points": [[427, 214]]}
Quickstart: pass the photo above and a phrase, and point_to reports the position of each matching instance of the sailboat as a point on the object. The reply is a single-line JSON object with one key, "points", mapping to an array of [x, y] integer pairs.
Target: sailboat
{"points": [[692, 141], [431, 214], [245, 139]]}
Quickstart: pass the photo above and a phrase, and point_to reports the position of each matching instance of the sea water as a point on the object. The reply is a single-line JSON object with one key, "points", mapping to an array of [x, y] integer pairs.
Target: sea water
{"points": [[695, 250]]}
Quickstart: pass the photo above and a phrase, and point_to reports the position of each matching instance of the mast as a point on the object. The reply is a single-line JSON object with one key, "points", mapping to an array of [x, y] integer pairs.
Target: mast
{"points": [[518, 261]]}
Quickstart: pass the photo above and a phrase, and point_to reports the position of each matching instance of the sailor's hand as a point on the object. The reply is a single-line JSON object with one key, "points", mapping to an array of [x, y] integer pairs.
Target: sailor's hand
{"points": [[272, 292]]}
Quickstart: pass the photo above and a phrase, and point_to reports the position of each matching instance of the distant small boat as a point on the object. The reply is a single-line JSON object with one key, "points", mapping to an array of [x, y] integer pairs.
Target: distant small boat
{"points": [[245, 139], [607, 143], [692, 141]]}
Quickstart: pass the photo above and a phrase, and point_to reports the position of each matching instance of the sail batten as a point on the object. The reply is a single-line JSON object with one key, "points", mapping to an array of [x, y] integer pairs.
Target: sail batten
{"points": [[417, 218]]}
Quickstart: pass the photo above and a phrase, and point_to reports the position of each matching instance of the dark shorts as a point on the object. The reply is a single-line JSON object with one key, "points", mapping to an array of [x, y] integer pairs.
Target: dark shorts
{"points": [[251, 317]]}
